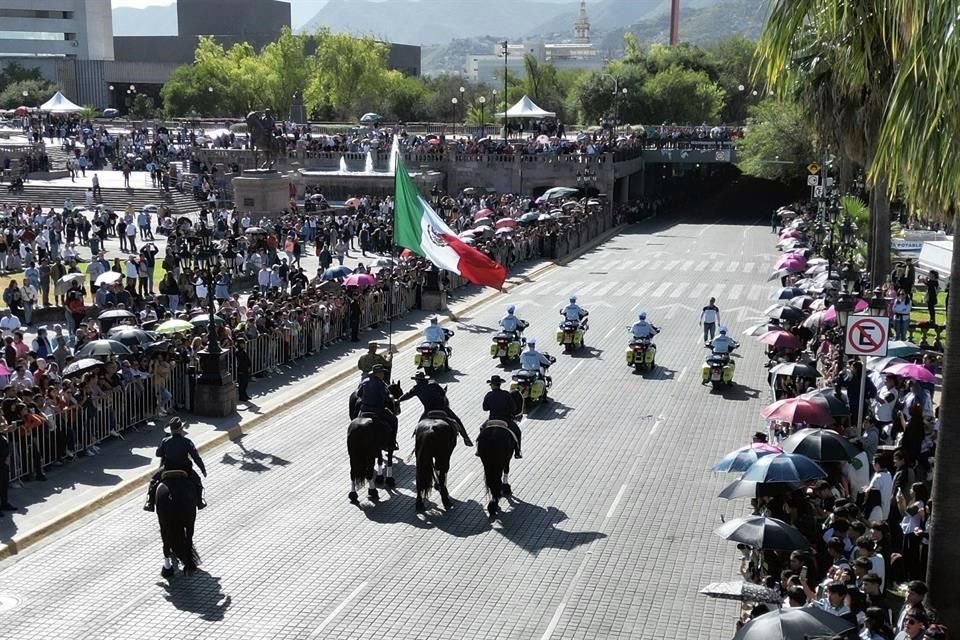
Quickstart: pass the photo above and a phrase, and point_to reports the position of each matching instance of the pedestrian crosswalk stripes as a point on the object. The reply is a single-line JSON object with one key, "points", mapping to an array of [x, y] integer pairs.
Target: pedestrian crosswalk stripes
{"points": [[717, 266], [669, 265], [663, 288], [625, 289], [735, 292], [716, 291], [640, 265], [605, 289], [732, 267], [678, 290], [748, 267], [588, 287], [641, 289], [757, 292], [687, 265], [672, 265], [626, 265], [702, 266], [698, 290]]}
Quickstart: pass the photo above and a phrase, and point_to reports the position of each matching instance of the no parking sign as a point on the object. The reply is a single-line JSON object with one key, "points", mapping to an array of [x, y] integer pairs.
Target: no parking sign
{"points": [[867, 335]]}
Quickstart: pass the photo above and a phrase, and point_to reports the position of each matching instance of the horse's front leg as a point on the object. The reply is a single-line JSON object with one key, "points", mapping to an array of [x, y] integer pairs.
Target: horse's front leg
{"points": [[390, 482], [379, 473], [442, 488]]}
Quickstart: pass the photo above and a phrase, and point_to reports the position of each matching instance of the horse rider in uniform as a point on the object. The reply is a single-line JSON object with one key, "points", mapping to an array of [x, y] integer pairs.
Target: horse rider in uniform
{"points": [[371, 358], [502, 407], [374, 395], [175, 452], [434, 398]]}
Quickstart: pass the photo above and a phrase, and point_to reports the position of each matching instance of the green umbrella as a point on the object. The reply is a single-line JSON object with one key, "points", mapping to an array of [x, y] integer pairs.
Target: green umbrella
{"points": [[174, 326]]}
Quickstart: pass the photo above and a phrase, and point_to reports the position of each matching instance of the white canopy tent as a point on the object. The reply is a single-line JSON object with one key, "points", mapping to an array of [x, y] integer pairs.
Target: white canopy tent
{"points": [[59, 104], [526, 108]]}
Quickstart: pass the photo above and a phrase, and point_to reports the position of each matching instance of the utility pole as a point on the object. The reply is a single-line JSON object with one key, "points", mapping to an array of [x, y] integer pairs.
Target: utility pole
{"points": [[674, 22], [506, 121]]}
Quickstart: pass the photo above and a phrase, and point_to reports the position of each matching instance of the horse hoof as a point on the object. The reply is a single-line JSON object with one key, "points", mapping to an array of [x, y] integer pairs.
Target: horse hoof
{"points": [[167, 572], [391, 483], [507, 491], [378, 481], [420, 506], [492, 509], [373, 494], [354, 498]]}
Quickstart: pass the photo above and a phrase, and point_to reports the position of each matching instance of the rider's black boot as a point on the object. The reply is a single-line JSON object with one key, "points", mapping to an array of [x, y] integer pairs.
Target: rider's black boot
{"points": [[149, 505], [201, 503], [517, 454]]}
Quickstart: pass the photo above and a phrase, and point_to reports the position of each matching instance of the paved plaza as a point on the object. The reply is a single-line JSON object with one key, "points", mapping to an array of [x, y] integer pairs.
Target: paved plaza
{"points": [[609, 534]]}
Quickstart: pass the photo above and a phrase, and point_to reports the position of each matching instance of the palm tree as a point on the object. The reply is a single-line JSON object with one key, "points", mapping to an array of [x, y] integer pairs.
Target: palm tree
{"points": [[915, 149], [839, 58]]}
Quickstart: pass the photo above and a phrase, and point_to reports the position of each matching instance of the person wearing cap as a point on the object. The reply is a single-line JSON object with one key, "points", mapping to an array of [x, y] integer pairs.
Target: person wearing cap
{"points": [[502, 406], [371, 358], [434, 398], [176, 451], [374, 397]]}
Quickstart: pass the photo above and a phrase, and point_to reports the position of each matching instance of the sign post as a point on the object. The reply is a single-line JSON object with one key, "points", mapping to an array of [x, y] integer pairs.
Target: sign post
{"points": [[866, 336], [813, 180]]}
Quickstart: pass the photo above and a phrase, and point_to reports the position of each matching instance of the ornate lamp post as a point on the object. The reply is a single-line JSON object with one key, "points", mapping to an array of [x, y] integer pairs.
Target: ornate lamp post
{"points": [[850, 277], [483, 123], [453, 101], [878, 304], [216, 395]]}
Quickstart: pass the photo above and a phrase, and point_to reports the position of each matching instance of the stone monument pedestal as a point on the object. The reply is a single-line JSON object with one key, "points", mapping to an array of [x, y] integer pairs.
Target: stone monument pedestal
{"points": [[215, 395], [261, 192]]}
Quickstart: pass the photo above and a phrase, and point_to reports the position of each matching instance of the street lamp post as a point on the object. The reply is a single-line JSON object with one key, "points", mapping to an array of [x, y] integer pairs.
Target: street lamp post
{"points": [[506, 121], [453, 101], [216, 395], [483, 122]]}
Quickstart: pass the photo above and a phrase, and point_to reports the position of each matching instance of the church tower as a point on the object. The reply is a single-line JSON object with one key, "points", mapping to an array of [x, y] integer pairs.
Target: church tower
{"points": [[581, 28]]}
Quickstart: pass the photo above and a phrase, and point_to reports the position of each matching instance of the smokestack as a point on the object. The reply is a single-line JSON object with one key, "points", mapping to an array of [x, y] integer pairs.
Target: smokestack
{"points": [[674, 22]]}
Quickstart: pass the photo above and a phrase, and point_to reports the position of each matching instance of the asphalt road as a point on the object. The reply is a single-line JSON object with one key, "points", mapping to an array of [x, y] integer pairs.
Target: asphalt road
{"points": [[609, 534]]}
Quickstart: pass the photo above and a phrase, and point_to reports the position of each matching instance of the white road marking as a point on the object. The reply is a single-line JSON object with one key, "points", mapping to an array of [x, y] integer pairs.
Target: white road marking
{"points": [[735, 292], [733, 266], [717, 266], [605, 289], [662, 289], [756, 292], [622, 291], [642, 289], [687, 265], [678, 291], [340, 607], [748, 267], [656, 266], [680, 375], [467, 478], [656, 425], [610, 333], [616, 501], [575, 367], [698, 290], [702, 266], [640, 265]]}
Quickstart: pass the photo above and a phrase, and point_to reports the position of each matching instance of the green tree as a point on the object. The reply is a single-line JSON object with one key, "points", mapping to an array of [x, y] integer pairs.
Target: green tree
{"points": [[142, 107], [681, 95], [285, 67], [38, 92], [778, 144], [15, 72], [347, 72], [404, 98], [733, 58]]}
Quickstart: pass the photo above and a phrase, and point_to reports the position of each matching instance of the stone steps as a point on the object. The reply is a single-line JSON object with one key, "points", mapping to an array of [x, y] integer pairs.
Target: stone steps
{"points": [[115, 198]]}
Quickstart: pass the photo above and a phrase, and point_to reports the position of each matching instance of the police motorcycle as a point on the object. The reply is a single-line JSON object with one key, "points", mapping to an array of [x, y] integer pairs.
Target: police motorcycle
{"points": [[433, 355], [570, 333], [508, 344], [532, 385], [641, 352], [719, 367]]}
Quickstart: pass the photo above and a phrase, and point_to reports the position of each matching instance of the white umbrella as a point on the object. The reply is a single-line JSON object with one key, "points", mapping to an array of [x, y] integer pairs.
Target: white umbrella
{"points": [[110, 277]]}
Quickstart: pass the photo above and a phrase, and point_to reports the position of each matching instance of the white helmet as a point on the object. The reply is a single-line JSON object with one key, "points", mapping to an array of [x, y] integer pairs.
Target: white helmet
{"points": [[511, 309], [573, 299], [531, 342], [434, 319], [643, 315], [723, 331]]}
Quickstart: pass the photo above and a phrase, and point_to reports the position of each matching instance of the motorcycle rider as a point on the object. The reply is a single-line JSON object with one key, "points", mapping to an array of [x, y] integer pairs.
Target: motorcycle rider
{"points": [[533, 360], [433, 397], [434, 332], [511, 324], [723, 344], [574, 313], [371, 358], [502, 406], [643, 330], [175, 453], [374, 394]]}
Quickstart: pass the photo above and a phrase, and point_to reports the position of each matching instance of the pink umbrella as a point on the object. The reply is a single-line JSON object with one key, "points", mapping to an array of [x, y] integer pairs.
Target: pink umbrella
{"points": [[791, 233], [505, 223], [913, 371], [406, 253], [483, 213], [797, 410], [780, 339], [352, 202], [362, 280], [790, 260], [830, 315]]}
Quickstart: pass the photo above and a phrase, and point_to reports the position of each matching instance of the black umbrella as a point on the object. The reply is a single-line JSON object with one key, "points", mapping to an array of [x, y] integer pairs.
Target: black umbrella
{"points": [[749, 489], [760, 532], [803, 623], [82, 366], [822, 445], [797, 369], [828, 399], [103, 348], [130, 336], [742, 592], [786, 313], [116, 314]]}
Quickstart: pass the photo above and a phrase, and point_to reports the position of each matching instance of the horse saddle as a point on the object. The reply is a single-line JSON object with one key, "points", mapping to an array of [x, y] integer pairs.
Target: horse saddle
{"points": [[499, 424], [173, 473]]}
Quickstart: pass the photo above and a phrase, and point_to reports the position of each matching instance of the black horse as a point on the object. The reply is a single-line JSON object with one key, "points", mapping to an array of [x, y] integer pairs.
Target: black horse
{"points": [[177, 515], [495, 446], [367, 440], [435, 441]]}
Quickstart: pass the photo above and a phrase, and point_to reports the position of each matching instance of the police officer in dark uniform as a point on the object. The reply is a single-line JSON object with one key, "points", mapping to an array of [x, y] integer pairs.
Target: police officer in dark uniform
{"points": [[242, 358], [175, 453], [434, 398], [374, 396], [502, 406]]}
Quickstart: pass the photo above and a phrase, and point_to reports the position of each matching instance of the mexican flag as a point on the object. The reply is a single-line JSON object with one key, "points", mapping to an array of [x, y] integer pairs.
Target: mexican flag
{"points": [[416, 226]]}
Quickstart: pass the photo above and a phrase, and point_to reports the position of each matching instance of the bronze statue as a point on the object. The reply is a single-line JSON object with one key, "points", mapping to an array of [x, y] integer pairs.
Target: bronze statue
{"points": [[263, 136]]}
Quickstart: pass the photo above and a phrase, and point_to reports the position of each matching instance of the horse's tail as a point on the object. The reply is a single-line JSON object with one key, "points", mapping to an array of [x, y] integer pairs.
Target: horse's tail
{"points": [[361, 458], [174, 533], [493, 462], [425, 475]]}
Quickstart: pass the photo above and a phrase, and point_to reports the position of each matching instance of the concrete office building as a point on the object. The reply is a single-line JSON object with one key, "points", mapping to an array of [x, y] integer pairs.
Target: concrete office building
{"points": [[72, 43]]}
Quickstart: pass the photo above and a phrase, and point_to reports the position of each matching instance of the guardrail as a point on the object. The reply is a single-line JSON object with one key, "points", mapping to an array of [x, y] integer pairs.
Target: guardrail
{"points": [[52, 434]]}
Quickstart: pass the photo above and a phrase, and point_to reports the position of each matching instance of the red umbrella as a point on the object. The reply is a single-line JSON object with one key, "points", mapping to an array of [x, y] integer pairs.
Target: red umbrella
{"points": [[21, 111], [483, 213], [362, 280], [797, 410], [780, 339], [913, 371], [505, 223]]}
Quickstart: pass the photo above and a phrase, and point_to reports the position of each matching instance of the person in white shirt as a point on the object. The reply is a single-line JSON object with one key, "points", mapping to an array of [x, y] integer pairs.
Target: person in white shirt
{"points": [[9, 322], [28, 296], [882, 484], [263, 279], [709, 318]]}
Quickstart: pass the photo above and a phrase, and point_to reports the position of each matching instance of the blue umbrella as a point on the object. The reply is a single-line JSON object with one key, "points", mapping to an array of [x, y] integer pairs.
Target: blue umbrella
{"points": [[741, 459], [784, 467], [786, 293], [336, 272], [533, 216]]}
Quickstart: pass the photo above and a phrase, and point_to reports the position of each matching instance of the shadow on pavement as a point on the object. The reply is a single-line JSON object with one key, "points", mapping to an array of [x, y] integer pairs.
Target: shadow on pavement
{"points": [[473, 328], [253, 460], [533, 528], [739, 392], [587, 352], [200, 593], [464, 520], [553, 410], [660, 373]]}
